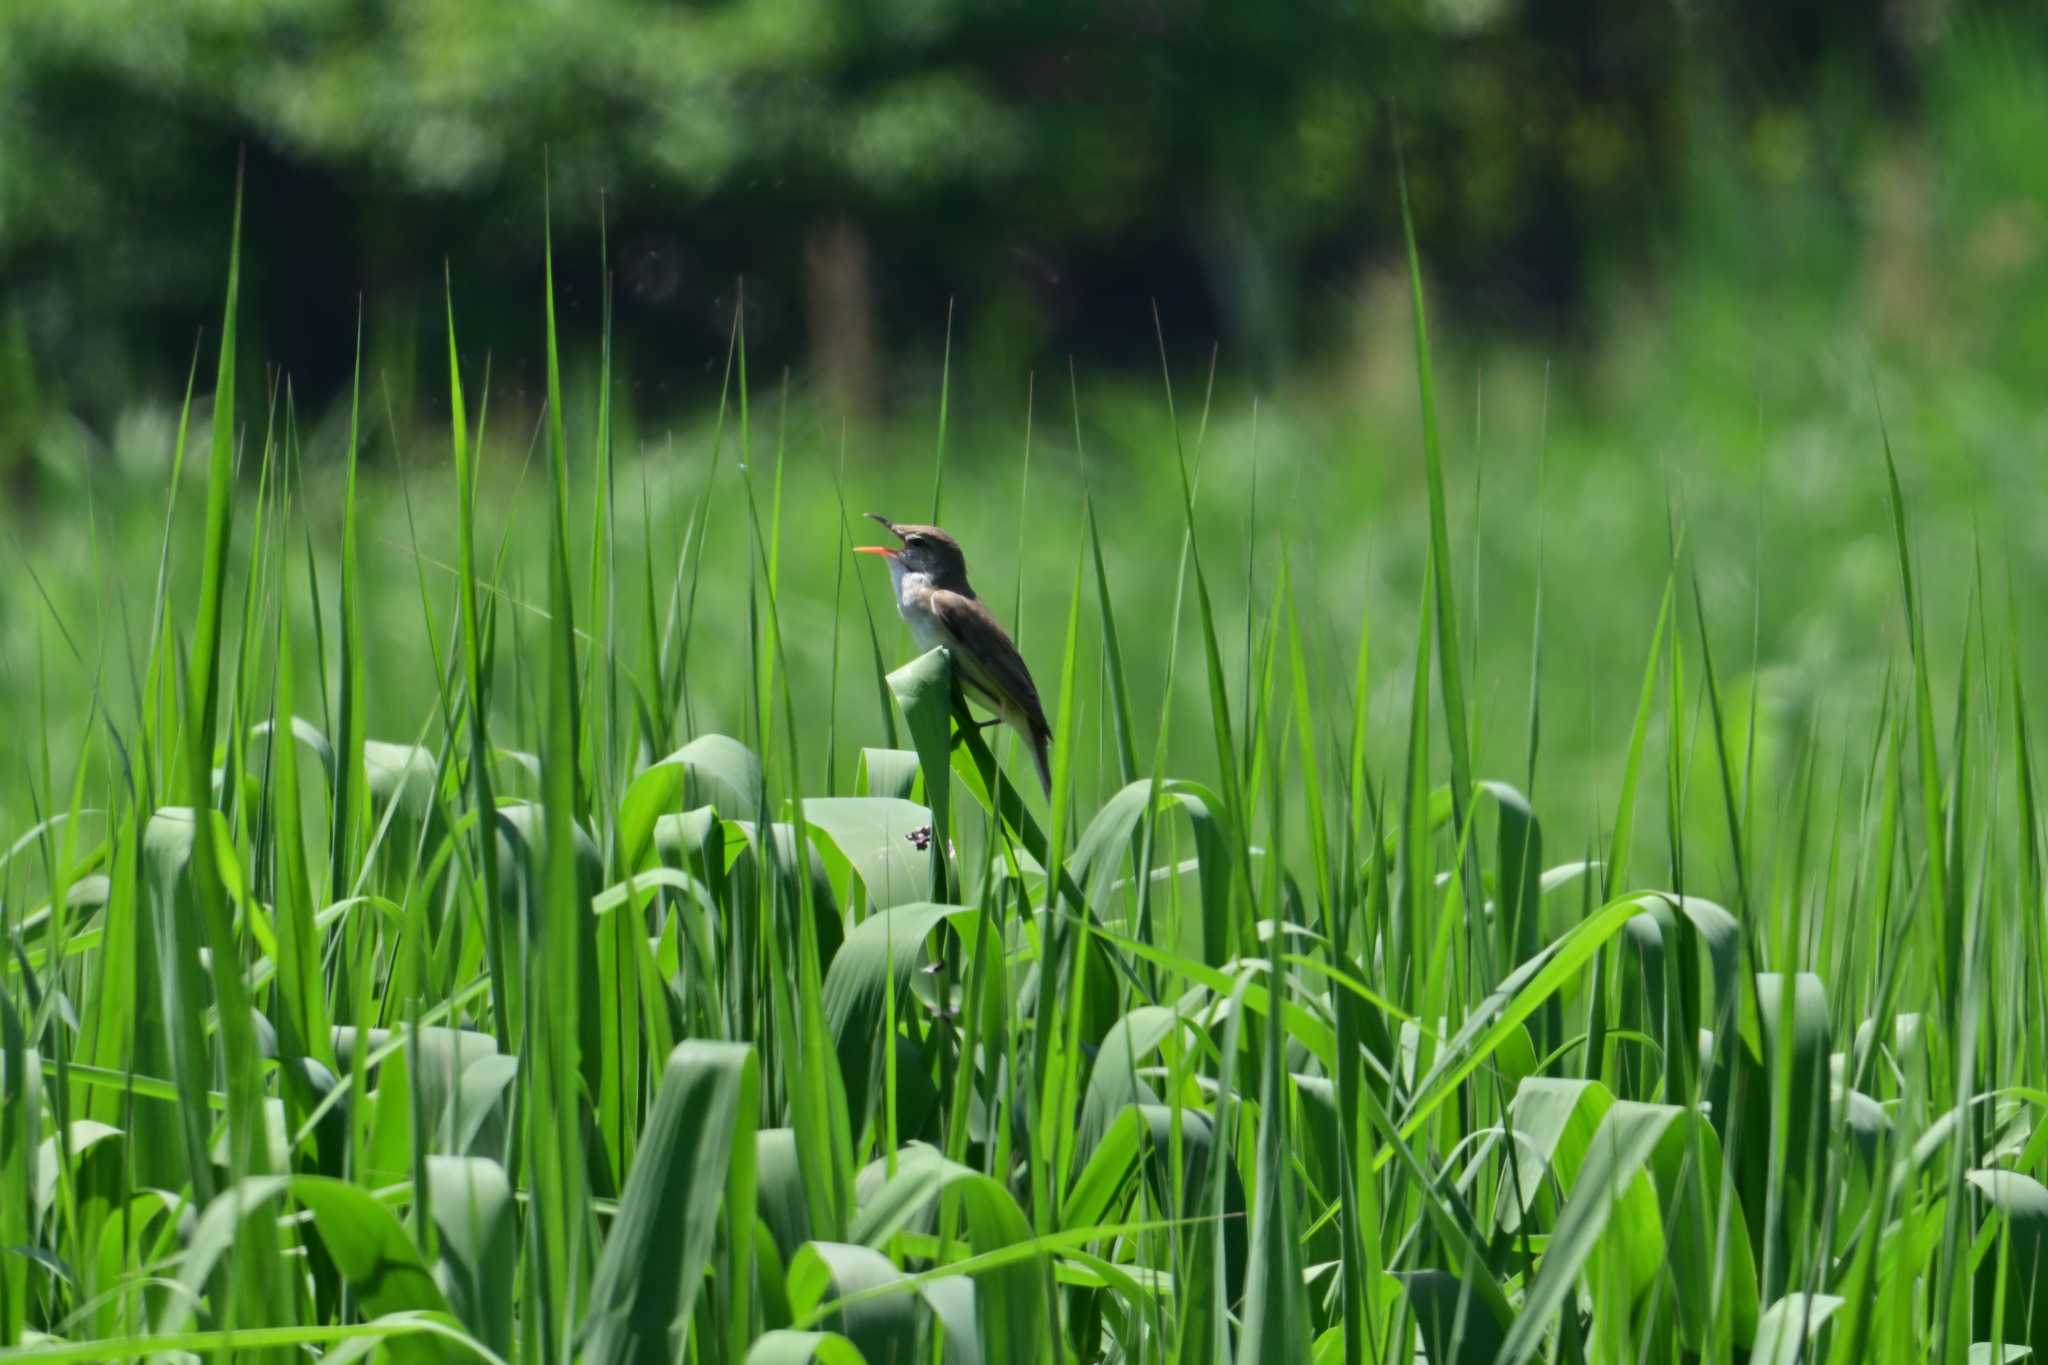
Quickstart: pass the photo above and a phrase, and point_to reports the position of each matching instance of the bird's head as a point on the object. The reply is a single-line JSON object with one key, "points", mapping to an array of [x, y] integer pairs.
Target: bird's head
{"points": [[925, 550]]}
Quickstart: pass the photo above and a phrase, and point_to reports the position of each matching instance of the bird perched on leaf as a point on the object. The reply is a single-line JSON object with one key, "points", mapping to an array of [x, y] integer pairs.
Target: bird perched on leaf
{"points": [[929, 573]]}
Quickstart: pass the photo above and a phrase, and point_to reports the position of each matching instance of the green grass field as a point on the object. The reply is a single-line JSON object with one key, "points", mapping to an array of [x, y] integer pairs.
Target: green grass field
{"points": [[1580, 901]]}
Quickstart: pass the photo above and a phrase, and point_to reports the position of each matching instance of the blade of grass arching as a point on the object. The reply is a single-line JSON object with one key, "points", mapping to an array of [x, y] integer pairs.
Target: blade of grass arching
{"points": [[1676, 746], [1216, 945], [1449, 679], [1062, 963], [239, 697], [1311, 775], [156, 718], [1970, 987], [883, 701], [1251, 595], [301, 984], [253, 1288], [1738, 846], [762, 643], [1113, 656], [1756, 614], [2028, 836], [204, 668], [1936, 882], [63, 861], [1235, 813], [444, 676], [657, 723], [1276, 1307], [296, 454], [21, 1121], [1258, 712], [351, 807], [1477, 595], [832, 671], [699, 526], [1358, 1191], [945, 395], [1357, 794], [816, 1088], [1120, 713], [775, 495], [1632, 766], [813, 1082], [1957, 789], [1729, 1029], [476, 682], [1860, 1280], [1536, 627], [1024, 503], [616, 961], [555, 1050], [1888, 947], [1017, 565], [23, 1096], [1859, 952], [772, 549], [125, 1029], [1409, 930], [600, 741], [1113, 668], [558, 480]]}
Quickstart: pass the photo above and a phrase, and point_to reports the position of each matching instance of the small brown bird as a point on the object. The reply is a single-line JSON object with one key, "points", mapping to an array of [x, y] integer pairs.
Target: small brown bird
{"points": [[932, 593]]}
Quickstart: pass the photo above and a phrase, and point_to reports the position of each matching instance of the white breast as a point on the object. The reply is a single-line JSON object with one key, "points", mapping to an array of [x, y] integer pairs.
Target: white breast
{"points": [[911, 591]]}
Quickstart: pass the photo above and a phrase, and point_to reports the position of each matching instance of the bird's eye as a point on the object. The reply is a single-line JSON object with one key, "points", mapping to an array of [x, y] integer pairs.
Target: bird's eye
{"points": [[917, 541]]}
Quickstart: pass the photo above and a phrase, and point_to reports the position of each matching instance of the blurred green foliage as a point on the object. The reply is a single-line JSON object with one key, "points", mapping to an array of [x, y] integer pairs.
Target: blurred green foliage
{"points": [[1055, 167]]}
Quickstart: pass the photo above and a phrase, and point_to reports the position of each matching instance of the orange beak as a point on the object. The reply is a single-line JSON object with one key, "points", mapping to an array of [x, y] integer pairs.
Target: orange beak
{"points": [[883, 550]]}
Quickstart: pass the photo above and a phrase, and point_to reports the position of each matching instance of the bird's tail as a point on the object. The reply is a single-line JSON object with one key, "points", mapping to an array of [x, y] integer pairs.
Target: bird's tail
{"points": [[1041, 742]]}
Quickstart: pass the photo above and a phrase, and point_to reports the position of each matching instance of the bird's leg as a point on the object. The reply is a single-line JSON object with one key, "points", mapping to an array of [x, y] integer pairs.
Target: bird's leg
{"points": [[960, 731]]}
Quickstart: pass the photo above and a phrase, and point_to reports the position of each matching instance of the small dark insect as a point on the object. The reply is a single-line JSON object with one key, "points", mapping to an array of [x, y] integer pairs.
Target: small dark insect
{"points": [[921, 837]]}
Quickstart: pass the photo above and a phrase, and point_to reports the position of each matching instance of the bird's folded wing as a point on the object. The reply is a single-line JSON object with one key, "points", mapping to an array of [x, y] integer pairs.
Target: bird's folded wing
{"points": [[988, 650]]}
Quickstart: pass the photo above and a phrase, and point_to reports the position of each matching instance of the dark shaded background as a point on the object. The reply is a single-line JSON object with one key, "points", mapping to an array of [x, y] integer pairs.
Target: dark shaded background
{"points": [[1054, 168]]}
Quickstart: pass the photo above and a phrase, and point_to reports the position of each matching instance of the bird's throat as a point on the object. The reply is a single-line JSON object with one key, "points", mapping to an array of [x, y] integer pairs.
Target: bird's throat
{"points": [[913, 601]]}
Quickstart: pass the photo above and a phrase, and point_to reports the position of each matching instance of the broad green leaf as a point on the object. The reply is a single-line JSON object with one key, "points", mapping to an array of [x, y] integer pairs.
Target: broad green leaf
{"points": [[784, 1347], [1008, 1302], [879, 836], [888, 772], [2023, 1248], [711, 770], [1456, 1327], [1787, 1326], [369, 1247], [1621, 1146], [696, 1157], [885, 948], [477, 1222], [883, 1327]]}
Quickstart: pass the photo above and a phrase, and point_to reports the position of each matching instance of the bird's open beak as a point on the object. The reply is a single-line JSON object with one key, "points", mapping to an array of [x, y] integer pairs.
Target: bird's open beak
{"points": [[885, 551]]}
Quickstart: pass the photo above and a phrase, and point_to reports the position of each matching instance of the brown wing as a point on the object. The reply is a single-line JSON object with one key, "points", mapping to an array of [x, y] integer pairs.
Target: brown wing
{"points": [[986, 650]]}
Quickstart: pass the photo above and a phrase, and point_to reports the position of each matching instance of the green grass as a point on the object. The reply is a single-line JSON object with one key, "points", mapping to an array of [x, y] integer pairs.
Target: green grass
{"points": [[569, 986]]}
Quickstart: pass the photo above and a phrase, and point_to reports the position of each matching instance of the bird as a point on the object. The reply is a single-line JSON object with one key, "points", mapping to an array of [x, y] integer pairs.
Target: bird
{"points": [[929, 573]]}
